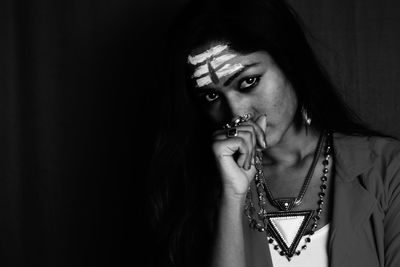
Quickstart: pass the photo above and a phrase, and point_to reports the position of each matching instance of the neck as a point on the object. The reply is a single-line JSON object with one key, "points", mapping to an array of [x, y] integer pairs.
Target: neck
{"points": [[293, 147]]}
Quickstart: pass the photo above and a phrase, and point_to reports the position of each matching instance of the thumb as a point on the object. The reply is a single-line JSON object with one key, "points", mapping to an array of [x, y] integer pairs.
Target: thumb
{"points": [[250, 174]]}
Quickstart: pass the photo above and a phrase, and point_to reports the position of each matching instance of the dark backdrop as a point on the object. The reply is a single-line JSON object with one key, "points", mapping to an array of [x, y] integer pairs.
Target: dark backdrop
{"points": [[78, 99]]}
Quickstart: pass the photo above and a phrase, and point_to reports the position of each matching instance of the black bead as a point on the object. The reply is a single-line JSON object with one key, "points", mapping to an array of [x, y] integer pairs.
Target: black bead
{"points": [[276, 247], [325, 170], [325, 162], [320, 202], [319, 210], [304, 247], [308, 240], [322, 194], [317, 218], [324, 178], [298, 252], [270, 240], [282, 253], [323, 186]]}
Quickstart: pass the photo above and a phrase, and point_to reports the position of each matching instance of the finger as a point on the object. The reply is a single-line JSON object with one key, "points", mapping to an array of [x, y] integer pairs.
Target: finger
{"points": [[245, 149], [248, 137], [222, 134], [258, 132], [262, 123], [250, 174], [249, 129], [246, 133], [229, 146]]}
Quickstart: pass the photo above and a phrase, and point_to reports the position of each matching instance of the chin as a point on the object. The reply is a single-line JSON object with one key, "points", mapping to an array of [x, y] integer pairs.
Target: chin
{"points": [[274, 137]]}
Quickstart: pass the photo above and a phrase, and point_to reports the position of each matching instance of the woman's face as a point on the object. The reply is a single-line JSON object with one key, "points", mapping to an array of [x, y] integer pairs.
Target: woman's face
{"points": [[229, 84]]}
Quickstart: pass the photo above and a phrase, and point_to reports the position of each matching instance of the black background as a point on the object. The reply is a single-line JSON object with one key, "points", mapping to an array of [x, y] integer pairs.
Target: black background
{"points": [[79, 106]]}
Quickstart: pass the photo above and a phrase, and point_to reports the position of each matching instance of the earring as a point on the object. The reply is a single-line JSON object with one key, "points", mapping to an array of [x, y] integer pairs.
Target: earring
{"points": [[306, 117]]}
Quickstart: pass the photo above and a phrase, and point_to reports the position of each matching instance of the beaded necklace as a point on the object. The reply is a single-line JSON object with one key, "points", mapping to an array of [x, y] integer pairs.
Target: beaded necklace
{"points": [[268, 222]]}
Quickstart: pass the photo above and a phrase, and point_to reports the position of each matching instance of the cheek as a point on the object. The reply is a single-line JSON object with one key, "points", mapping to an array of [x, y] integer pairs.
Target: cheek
{"points": [[217, 113], [279, 102], [287, 106]]}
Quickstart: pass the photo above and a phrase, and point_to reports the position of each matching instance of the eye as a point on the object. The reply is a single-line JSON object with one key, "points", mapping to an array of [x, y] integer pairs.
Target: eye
{"points": [[248, 83], [210, 97]]}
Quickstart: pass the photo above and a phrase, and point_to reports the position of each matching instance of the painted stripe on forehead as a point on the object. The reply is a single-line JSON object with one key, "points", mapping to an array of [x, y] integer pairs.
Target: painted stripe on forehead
{"points": [[215, 63], [203, 81], [214, 51], [224, 71], [229, 69]]}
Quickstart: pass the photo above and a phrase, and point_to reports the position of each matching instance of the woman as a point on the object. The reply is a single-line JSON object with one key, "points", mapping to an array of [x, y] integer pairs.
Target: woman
{"points": [[259, 162]]}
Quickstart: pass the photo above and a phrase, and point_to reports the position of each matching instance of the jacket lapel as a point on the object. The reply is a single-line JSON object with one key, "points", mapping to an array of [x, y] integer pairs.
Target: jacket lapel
{"points": [[352, 203]]}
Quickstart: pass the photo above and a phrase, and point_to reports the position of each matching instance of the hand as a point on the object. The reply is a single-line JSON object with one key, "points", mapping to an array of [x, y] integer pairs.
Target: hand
{"points": [[235, 155]]}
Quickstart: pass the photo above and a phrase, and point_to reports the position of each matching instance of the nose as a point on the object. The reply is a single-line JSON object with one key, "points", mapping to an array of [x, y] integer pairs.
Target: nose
{"points": [[237, 104]]}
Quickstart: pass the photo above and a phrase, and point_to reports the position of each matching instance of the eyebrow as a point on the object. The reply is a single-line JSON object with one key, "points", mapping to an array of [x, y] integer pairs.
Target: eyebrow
{"points": [[236, 74]]}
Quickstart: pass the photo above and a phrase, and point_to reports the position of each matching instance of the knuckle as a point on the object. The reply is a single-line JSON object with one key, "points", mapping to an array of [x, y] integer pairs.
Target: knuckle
{"points": [[247, 134], [242, 142]]}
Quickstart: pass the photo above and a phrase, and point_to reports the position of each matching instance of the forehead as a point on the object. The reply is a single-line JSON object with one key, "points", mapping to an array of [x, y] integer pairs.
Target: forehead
{"points": [[213, 62], [217, 62], [198, 55], [224, 53]]}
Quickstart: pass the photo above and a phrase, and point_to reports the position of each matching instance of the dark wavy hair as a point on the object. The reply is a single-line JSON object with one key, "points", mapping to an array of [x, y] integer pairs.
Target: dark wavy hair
{"points": [[184, 185]]}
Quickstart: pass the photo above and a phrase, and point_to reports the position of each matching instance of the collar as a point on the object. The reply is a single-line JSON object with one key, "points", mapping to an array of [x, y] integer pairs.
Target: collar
{"points": [[353, 156]]}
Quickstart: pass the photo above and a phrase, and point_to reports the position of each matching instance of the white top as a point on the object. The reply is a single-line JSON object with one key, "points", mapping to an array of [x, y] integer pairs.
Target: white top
{"points": [[316, 253]]}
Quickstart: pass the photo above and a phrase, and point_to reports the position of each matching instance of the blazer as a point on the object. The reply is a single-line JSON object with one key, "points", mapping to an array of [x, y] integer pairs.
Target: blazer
{"points": [[365, 226]]}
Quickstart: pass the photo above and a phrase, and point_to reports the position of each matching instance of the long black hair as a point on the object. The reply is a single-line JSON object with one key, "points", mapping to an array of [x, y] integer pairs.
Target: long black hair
{"points": [[184, 183]]}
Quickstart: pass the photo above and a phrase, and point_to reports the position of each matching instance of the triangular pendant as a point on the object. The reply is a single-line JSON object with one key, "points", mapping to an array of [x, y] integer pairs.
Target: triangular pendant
{"points": [[286, 203], [287, 228]]}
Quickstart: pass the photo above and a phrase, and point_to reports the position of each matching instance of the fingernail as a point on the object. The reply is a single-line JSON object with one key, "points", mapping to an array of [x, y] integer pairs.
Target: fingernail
{"points": [[264, 144], [265, 131], [265, 122]]}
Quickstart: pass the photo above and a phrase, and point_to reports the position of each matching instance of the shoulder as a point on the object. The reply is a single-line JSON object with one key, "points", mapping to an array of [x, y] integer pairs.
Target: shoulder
{"points": [[373, 161], [386, 163], [375, 158], [385, 156], [373, 147], [385, 148]]}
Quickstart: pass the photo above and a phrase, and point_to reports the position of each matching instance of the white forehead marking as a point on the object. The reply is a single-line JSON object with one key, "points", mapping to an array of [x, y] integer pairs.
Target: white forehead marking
{"points": [[229, 69], [203, 81], [215, 63], [224, 71], [213, 51]]}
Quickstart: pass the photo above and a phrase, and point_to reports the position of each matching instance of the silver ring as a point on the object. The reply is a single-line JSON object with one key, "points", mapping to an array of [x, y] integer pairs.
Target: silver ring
{"points": [[232, 132], [237, 121], [245, 117]]}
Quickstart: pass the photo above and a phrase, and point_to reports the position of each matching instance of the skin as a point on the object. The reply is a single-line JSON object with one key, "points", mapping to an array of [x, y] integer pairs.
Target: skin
{"points": [[211, 65], [263, 91]]}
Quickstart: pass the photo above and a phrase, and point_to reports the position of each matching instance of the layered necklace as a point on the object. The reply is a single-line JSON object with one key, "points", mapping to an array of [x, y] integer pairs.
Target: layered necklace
{"points": [[285, 228]]}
